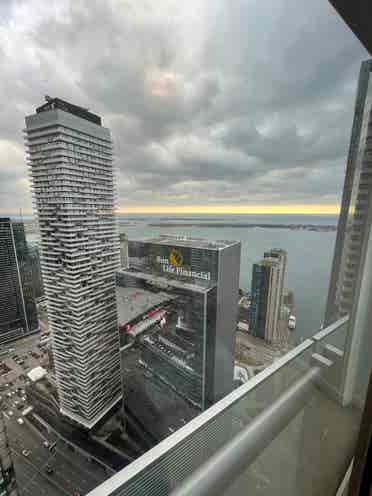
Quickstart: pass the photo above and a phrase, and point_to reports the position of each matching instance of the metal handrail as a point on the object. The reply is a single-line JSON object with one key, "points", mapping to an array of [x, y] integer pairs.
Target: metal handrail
{"points": [[225, 466], [287, 403]]}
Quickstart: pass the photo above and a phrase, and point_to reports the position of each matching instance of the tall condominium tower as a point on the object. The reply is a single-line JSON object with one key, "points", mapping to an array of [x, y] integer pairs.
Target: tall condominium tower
{"points": [[17, 305], [70, 156], [267, 295], [7, 476], [123, 250], [356, 198], [281, 257]]}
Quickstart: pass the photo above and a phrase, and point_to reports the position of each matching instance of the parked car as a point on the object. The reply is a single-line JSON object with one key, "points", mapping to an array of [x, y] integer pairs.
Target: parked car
{"points": [[26, 452], [20, 421]]}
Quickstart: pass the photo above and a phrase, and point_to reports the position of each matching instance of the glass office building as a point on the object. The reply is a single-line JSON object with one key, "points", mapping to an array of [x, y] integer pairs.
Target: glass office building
{"points": [[190, 345], [8, 485], [17, 304]]}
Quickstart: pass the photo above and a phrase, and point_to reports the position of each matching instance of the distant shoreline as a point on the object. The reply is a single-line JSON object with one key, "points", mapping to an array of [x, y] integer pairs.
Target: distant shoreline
{"points": [[292, 227]]}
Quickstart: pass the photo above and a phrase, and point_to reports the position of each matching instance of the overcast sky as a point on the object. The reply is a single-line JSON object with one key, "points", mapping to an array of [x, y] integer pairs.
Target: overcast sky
{"points": [[210, 102]]}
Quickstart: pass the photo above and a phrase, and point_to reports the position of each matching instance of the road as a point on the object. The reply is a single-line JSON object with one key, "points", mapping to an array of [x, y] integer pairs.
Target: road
{"points": [[72, 472]]}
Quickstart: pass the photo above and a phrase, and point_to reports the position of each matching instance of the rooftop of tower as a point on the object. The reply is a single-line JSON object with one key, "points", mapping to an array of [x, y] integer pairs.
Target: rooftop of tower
{"points": [[186, 241], [58, 103]]}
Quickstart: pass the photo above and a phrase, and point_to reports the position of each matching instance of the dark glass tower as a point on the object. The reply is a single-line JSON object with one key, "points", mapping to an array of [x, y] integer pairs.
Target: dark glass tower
{"points": [[7, 476], [17, 305]]}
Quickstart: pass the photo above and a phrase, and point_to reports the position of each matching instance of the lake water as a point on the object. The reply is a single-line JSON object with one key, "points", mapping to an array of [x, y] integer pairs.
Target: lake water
{"points": [[309, 253]]}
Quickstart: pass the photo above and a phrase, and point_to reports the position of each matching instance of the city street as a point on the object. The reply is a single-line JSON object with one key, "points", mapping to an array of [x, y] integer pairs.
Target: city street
{"points": [[70, 473]]}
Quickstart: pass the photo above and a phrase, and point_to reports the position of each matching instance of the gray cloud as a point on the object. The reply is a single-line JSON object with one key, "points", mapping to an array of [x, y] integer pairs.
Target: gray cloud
{"points": [[223, 102]]}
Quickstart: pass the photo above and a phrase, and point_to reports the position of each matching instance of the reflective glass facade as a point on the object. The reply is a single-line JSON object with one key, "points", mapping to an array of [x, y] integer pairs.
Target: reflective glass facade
{"points": [[17, 305], [190, 346]]}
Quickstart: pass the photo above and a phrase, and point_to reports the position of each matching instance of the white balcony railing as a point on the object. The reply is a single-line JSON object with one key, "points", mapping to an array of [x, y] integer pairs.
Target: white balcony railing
{"points": [[285, 430]]}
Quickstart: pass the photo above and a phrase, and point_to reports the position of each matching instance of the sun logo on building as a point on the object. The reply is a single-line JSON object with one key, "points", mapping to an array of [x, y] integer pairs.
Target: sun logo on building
{"points": [[175, 258]]}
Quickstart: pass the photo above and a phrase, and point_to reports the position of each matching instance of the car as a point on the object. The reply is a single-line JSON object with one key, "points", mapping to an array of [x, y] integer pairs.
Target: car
{"points": [[49, 469], [19, 407], [20, 421], [46, 444], [26, 453], [10, 413]]}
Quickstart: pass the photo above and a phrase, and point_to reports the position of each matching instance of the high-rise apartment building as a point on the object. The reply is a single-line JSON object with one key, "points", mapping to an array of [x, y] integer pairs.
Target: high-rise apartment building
{"points": [[123, 250], [17, 305], [191, 319], [267, 295], [70, 157], [281, 256], [8, 485], [356, 198]]}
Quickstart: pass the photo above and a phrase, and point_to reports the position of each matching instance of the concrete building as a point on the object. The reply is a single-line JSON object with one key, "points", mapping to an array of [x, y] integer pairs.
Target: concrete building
{"points": [[70, 157], [356, 198], [8, 485], [281, 256], [187, 333], [17, 305], [123, 250], [267, 296]]}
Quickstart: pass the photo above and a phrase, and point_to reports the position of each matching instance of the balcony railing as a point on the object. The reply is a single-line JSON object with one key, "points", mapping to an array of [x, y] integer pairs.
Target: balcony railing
{"points": [[285, 431]]}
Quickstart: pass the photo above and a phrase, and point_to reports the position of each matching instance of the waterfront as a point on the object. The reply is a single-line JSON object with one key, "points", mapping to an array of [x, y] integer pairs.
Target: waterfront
{"points": [[309, 252]]}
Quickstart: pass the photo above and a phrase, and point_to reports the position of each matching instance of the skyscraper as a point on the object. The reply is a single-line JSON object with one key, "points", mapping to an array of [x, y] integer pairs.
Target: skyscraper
{"points": [[198, 280], [267, 295], [356, 198], [123, 250], [8, 485], [35, 268], [70, 156], [17, 305], [281, 256]]}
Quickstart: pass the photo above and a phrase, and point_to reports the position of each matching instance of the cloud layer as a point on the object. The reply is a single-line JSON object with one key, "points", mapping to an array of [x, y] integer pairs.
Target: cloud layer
{"points": [[238, 103]]}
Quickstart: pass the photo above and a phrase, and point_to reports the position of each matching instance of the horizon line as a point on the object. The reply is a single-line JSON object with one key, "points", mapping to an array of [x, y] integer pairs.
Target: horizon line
{"points": [[288, 209], [299, 209]]}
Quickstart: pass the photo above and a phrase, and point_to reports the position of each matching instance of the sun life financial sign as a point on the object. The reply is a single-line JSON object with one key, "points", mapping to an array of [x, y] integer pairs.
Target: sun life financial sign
{"points": [[168, 266]]}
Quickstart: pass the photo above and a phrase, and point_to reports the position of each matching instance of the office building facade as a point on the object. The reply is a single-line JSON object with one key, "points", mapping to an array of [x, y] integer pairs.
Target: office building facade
{"points": [[35, 269], [191, 346], [267, 296], [8, 485], [70, 157], [17, 305], [356, 198]]}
